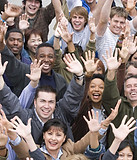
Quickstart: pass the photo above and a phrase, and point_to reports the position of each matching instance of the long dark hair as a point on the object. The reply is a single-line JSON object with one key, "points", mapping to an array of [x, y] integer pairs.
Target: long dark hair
{"points": [[80, 127]]}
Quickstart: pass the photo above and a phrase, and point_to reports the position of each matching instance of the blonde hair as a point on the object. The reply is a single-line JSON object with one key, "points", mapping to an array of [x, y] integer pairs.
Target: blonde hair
{"points": [[79, 10]]}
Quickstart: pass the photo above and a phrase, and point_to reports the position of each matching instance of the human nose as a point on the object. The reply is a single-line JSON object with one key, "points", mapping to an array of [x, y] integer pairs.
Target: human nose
{"points": [[15, 42], [53, 137], [96, 88]]}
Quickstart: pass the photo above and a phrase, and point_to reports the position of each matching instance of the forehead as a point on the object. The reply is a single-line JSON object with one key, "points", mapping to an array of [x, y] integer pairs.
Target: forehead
{"points": [[47, 96], [131, 81], [77, 15], [132, 69], [126, 150], [97, 81], [55, 129], [118, 18], [32, 36], [15, 35], [45, 50]]}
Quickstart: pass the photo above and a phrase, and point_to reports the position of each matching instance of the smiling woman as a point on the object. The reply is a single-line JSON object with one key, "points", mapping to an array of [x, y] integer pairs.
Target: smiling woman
{"points": [[91, 100]]}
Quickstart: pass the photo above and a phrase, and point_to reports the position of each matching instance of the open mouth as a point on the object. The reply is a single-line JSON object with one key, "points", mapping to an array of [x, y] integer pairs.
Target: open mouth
{"points": [[46, 66], [96, 95]]}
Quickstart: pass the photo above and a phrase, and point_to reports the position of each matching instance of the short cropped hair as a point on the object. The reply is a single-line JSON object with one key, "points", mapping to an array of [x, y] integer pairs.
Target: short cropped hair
{"points": [[44, 44], [79, 10], [46, 88], [13, 30], [119, 11]]}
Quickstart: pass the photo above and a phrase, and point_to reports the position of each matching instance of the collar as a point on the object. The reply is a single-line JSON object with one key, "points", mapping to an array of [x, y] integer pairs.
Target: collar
{"points": [[43, 149], [40, 119]]}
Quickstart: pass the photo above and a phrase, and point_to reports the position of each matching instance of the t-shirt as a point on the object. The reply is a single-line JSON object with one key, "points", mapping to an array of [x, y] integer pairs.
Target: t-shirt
{"points": [[104, 42]]}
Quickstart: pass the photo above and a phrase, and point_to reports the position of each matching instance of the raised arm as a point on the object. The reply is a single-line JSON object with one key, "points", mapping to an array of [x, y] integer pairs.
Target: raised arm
{"points": [[104, 18], [11, 10], [112, 64], [27, 95], [120, 134], [89, 63], [25, 132], [57, 8], [74, 66]]}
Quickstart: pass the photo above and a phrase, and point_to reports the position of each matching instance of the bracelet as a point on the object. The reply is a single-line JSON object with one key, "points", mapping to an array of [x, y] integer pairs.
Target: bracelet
{"points": [[56, 37], [2, 147], [105, 125], [79, 77], [2, 19]]}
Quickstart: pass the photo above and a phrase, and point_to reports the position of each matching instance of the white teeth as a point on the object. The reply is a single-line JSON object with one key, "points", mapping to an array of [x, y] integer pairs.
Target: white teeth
{"points": [[133, 93], [96, 94]]}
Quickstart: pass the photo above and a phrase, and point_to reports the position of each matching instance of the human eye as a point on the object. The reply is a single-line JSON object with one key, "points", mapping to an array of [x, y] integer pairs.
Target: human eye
{"points": [[51, 56], [51, 102], [49, 133], [92, 86], [41, 56], [20, 40], [128, 86], [11, 39], [121, 155], [101, 87], [39, 40]]}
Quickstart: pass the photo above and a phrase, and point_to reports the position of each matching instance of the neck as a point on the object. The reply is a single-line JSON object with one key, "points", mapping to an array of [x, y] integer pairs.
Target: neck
{"points": [[32, 55], [97, 105], [133, 103], [17, 56], [54, 154], [30, 16], [133, 12]]}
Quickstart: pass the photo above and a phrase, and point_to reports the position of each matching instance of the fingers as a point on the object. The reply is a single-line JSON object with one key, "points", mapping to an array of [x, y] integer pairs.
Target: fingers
{"points": [[112, 125], [124, 120], [3, 114], [117, 105], [130, 121]]}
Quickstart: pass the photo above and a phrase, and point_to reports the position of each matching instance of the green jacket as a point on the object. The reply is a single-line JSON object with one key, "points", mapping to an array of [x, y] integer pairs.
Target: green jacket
{"points": [[60, 66], [110, 97]]}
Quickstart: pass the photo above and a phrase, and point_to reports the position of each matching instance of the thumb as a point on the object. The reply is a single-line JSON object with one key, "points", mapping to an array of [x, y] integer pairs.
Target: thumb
{"points": [[29, 76], [29, 121], [112, 125]]}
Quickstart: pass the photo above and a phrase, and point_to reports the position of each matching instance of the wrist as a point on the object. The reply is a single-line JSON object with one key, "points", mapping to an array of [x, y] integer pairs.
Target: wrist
{"points": [[79, 76], [3, 147], [57, 37]]}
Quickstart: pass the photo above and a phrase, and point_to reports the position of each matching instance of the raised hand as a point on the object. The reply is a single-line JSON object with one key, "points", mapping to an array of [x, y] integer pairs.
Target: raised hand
{"points": [[4, 121], [74, 66], [3, 29], [124, 52], [91, 23], [93, 122], [111, 61], [132, 45], [12, 10], [35, 68], [124, 129], [89, 63], [23, 22], [20, 128], [3, 136], [2, 67], [64, 33], [105, 123]]}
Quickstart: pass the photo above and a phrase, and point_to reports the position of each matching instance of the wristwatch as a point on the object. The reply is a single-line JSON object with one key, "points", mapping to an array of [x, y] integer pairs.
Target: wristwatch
{"points": [[79, 77]]}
